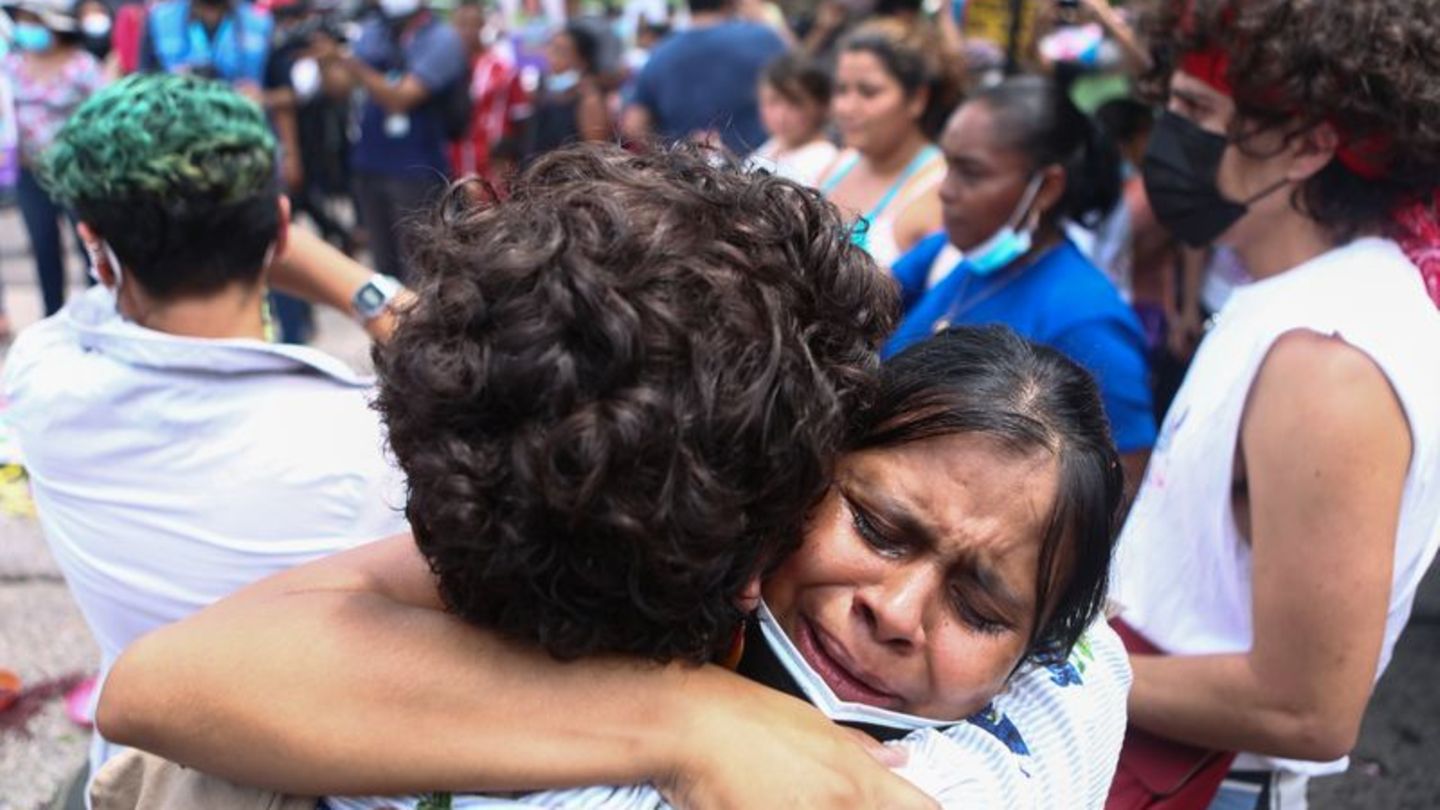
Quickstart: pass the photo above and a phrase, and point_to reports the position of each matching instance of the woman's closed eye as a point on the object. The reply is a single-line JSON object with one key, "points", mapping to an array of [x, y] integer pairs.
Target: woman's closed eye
{"points": [[877, 539], [980, 620]]}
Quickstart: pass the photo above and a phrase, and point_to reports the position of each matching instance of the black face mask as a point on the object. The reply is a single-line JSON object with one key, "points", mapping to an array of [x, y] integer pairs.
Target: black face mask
{"points": [[1180, 173], [1180, 170], [98, 46]]}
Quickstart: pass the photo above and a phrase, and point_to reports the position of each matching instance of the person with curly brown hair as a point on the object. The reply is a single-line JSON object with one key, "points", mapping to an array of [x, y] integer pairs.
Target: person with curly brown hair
{"points": [[1292, 504], [614, 400], [655, 362]]}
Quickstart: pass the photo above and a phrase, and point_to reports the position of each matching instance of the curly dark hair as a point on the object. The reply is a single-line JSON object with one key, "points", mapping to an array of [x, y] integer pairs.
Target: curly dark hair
{"points": [[1369, 68], [622, 389]]}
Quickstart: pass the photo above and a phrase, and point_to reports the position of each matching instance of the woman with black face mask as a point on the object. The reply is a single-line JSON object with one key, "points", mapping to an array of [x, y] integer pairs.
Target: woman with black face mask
{"points": [[1292, 503], [95, 26]]}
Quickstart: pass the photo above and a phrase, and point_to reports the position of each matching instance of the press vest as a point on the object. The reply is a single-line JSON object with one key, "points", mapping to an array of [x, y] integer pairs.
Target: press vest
{"points": [[235, 52]]}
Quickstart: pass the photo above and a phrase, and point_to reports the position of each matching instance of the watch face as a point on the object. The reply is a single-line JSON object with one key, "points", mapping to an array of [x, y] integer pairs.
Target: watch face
{"points": [[369, 299]]}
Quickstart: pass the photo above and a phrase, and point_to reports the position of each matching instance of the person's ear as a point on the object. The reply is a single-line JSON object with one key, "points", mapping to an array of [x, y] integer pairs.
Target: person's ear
{"points": [[1051, 192], [1311, 150], [99, 257], [282, 232], [749, 600], [919, 100]]}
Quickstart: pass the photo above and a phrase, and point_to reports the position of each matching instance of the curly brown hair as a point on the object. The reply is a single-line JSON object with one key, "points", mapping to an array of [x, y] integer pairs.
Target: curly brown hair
{"points": [[622, 389], [1368, 68]]}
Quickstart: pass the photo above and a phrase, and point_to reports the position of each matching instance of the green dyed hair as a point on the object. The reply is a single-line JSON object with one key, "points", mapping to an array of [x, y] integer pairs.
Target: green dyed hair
{"points": [[177, 173], [162, 134]]}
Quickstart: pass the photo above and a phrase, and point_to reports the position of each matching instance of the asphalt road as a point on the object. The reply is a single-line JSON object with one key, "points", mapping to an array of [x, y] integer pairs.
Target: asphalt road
{"points": [[42, 637]]}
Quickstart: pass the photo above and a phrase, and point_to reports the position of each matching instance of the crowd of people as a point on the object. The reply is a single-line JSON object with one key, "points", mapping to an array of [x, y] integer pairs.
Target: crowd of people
{"points": [[1055, 416]]}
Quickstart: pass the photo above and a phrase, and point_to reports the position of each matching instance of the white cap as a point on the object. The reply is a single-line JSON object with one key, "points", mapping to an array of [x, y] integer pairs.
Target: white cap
{"points": [[57, 15]]}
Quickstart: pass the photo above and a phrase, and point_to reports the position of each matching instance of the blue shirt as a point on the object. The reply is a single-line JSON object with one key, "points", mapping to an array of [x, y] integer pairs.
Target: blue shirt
{"points": [[415, 146], [706, 78], [1060, 300]]}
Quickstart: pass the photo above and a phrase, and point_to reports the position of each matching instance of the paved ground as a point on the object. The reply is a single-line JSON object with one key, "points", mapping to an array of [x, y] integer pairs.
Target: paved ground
{"points": [[42, 637]]}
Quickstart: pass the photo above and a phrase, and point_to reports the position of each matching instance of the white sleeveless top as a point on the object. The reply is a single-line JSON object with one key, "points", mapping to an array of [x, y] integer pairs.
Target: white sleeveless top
{"points": [[1182, 573]]}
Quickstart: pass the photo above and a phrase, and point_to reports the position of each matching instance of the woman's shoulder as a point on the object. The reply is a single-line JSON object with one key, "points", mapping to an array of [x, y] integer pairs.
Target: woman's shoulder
{"points": [[1073, 714], [839, 164], [1052, 739], [929, 167], [1076, 285]]}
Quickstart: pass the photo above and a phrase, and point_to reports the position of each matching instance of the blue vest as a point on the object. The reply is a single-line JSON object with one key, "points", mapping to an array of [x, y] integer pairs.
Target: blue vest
{"points": [[236, 52]]}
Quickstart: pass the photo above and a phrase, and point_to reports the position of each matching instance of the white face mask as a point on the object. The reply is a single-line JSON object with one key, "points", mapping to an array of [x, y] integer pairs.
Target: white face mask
{"points": [[1007, 244], [305, 78], [95, 25], [562, 82], [111, 260], [820, 692], [398, 9]]}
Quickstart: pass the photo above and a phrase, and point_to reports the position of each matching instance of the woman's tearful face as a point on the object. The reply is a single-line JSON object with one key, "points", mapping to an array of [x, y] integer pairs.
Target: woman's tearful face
{"points": [[914, 589]]}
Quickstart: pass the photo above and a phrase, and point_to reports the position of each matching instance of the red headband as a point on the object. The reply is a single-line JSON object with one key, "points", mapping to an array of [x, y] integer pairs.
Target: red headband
{"points": [[1415, 224], [1365, 156]]}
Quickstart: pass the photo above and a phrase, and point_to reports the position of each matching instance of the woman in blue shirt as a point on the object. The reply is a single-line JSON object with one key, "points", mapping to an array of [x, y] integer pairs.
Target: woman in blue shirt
{"points": [[1021, 160]]}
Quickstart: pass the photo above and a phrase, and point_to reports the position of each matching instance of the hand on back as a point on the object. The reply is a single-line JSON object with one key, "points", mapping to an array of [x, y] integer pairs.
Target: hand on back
{"points": [[743, 745]]}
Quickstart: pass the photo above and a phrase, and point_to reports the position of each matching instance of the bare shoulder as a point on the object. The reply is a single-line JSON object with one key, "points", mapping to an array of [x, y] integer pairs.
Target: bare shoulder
{"points": [[1317, 396]]}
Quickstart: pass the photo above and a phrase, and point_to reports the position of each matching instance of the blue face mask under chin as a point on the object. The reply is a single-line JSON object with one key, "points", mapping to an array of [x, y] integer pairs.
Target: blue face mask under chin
{"points": [[1007, 244], [33, 37]]}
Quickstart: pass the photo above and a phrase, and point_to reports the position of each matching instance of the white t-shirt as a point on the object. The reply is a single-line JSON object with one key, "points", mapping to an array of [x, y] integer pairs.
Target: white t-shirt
{"points": [[1182, 572], [1050, 740], [169, 472]]}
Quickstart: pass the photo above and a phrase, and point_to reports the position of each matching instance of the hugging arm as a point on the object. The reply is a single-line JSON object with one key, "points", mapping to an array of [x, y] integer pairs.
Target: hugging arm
{"points": [[345, 676], [312, 269]]}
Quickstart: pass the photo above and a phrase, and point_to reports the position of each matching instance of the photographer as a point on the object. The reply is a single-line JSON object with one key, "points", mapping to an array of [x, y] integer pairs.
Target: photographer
{"points": [[407, 60], [314, 161]]}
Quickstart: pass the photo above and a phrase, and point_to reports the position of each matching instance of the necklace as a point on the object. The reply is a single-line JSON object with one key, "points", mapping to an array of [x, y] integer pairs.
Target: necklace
{"points": [[964, 302]]}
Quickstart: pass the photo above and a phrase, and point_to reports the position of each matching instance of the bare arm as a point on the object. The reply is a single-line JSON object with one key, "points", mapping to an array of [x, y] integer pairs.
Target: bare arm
{"points": [[392, 97], [281, 104], [591, 117], [1137, 59], [1186, 326], [341, 676], [636, 123], [313, 270], [1326, 449]]}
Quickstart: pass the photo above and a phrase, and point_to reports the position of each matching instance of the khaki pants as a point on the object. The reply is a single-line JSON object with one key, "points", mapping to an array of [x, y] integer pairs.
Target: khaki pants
{"points": [[135, 780]]}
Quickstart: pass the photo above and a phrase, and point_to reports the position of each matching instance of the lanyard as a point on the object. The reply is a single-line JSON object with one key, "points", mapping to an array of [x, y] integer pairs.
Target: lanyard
{"points": [[205, 50], [962, 305]]}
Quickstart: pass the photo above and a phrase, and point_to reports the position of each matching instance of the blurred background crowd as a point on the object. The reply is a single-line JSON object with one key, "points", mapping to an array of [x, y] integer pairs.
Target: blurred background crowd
{"points": [[377, 104]]}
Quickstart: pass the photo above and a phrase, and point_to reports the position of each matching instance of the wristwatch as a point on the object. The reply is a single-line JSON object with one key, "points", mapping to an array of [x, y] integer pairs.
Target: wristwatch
{"points": [[374, 297]]}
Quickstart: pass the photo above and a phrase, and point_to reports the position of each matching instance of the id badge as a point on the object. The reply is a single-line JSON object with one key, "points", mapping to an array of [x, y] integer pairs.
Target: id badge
{"points": [[397, 125]]}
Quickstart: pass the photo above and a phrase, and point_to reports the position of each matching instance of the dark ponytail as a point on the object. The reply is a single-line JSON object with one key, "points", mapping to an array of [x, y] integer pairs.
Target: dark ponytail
{"points": [[1039, 119]]}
